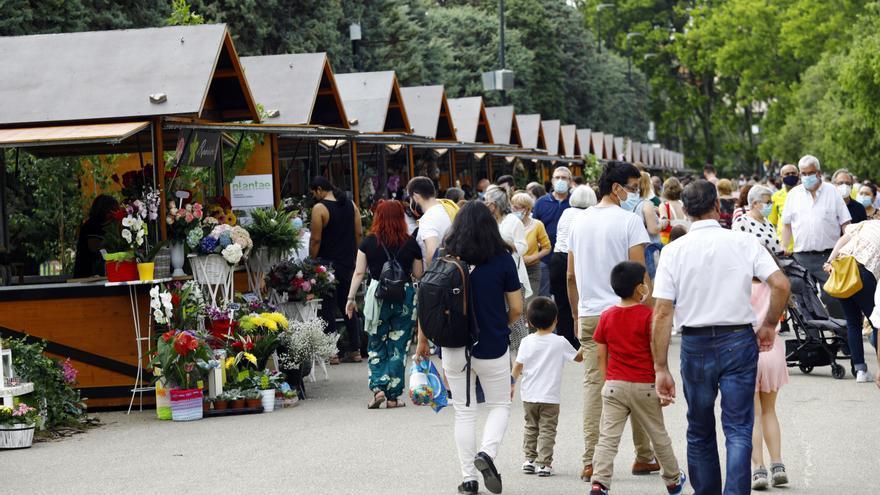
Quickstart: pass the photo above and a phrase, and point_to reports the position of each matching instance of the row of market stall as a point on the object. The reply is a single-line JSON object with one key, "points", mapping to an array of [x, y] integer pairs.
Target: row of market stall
{"points": [[163, 99]]}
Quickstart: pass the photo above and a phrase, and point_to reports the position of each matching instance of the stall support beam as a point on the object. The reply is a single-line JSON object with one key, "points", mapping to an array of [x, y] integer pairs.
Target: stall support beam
{"points": [[412, 162], [383, 171], [353, 160], [159, 162], [453, 179], [4, 233], [276, 170]]}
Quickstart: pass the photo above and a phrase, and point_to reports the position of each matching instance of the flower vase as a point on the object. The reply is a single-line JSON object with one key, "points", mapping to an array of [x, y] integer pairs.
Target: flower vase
{"points": [[268, 398], [186, 404], [177, 259], [16, 436]]}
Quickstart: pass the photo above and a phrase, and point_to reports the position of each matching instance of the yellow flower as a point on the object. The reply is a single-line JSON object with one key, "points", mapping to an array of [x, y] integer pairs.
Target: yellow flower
{"points": [[277, 318], [270, 324], [230, 361], [231, 219], [247, 324], [250, 357]]}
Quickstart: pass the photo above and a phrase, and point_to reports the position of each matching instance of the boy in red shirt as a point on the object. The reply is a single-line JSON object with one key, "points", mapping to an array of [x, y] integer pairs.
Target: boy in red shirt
{"points": [[624, 357]]}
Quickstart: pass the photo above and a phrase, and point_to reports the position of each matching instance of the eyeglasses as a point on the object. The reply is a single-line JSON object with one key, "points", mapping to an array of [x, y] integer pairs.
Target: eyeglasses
{"points": [[632, 189]]}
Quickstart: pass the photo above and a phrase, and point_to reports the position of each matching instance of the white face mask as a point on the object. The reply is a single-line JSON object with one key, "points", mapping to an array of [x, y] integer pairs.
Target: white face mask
{"points": [[844, 190]]}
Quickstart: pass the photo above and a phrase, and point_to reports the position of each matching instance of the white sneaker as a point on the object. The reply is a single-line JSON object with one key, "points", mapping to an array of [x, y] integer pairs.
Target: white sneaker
{"points": [[528, 467], [545, 471], [863, 376]]}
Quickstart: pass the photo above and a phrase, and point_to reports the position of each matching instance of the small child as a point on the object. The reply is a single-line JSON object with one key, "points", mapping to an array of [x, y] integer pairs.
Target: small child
{"points": [[540, 360], [623, 339]]}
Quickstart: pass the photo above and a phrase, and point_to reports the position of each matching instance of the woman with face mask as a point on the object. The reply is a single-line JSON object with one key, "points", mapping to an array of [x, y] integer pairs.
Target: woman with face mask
{"points": [[641, 205], [866, 196], [536, 237]]}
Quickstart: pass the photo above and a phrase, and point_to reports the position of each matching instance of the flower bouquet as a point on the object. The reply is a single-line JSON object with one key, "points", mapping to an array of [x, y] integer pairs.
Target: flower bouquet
{"points": [[261, 332], [17, 426], [217, 247], [274, 236], [181, 362], [182, 220], [305, 341], [298, 287]]}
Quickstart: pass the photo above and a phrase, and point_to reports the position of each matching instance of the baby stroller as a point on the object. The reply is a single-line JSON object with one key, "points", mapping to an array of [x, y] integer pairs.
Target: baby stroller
{"points": [[819, 339]]}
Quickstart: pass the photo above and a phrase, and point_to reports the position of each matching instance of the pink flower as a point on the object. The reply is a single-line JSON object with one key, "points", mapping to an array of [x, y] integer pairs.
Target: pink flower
{"points": [[189, 217], [313, 281], [69, 371], [306, 286]]}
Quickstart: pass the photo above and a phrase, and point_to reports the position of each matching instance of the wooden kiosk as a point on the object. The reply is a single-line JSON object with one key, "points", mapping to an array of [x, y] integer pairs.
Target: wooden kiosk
{"points": [[428, 112], [471, 127]]}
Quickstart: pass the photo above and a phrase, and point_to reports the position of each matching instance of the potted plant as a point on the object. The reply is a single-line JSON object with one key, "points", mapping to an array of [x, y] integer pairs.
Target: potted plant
{"points": [[221, 402], [300, 286], [146, 261], [259, 332], [181, 221], [221, 324], [183, 359], [253, 399], [206, 404], [123, 238], [235, 398], [17, 426], [302, 343], [274, 235], [268, 383]]}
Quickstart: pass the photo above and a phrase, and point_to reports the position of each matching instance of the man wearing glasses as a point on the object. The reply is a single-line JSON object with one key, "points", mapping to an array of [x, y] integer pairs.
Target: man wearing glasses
{"points": [[600, 238]]}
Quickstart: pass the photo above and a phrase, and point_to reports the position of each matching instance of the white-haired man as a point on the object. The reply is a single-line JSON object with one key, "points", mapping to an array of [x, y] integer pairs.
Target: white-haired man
{"points": [[816, 214]]}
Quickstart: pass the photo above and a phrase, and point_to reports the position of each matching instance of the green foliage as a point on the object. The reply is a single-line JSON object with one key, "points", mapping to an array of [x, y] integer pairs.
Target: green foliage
{"points": [[272, 229], [53, 395], [182, 15]]}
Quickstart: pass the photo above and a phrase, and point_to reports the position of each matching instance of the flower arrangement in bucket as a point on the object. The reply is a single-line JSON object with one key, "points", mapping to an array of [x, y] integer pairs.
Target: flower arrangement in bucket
{"points": [[181, 221], [17, 426], [305, 342], [274, 235], [181, 361]]}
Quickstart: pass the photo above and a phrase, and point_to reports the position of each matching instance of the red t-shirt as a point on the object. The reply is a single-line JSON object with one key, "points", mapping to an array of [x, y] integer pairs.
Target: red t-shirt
{"points": [[627, 333]]}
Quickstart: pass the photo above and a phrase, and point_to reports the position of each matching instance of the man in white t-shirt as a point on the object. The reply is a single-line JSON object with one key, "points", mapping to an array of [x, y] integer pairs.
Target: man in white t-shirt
{"points": [[600, 238], [433, 219]]}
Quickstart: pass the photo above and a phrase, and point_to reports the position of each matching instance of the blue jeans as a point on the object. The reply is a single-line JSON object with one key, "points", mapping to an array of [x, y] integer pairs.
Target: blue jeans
{"points": [[545, 278], [728, 362], [861, 303]]}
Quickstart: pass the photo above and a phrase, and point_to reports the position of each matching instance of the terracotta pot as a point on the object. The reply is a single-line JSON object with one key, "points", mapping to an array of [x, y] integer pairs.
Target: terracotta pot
{"points": [[254, 403], [121, 271], [236, 404], [206, 406], [220, 405]]}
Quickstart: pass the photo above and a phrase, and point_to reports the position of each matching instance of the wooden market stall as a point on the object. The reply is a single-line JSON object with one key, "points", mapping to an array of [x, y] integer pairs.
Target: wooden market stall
{"points": [[505, 131], [471, 127], [428, 112], [375, 109], [104, 93]]}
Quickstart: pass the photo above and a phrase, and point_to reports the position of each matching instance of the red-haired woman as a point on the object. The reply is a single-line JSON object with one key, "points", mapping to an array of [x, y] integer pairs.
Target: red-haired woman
{"points": [[388, 322]]}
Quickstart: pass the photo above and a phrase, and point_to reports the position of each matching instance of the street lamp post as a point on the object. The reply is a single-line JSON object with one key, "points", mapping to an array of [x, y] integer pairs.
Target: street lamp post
{"points": [[630, 36], [599, 9], [501, 45]]}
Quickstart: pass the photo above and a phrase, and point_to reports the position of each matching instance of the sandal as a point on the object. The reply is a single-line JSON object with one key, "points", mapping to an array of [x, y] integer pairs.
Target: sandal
{"points": [[378, 399], [396, 402], [334, 360], [354, 357], [759, 479]]}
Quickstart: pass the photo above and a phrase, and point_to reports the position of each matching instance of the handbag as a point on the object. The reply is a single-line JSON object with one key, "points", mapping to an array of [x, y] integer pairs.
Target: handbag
{"points": [[844, 281]]}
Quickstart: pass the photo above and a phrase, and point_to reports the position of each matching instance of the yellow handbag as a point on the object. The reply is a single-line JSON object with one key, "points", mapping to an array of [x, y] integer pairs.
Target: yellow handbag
{"points": [[844, 281]]}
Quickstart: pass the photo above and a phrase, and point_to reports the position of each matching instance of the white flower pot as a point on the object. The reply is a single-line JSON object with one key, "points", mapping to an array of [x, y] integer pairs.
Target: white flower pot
{"points": [[268, 398], [17, 436]]}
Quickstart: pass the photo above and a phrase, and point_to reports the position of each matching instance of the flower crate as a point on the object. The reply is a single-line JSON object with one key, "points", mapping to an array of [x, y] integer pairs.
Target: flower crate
{"points": [[17, 436]]}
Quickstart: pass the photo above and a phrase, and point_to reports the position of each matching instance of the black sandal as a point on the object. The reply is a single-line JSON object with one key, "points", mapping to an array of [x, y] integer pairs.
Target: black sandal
{"points": [[378, 399], [396, 402]]}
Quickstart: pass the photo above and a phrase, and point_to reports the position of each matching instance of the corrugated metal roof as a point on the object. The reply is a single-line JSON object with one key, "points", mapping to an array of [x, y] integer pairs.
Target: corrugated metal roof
{"points": [[567, 133], [598, 140], [468, 114], [287, 83], [366, 96], [529, 130], [423, 107], [583, 141], [107, 74], [501, 122], [551, 135]]}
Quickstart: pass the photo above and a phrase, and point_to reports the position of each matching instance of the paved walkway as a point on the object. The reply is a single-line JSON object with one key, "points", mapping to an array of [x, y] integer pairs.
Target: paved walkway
{"points": [[331, 444]]}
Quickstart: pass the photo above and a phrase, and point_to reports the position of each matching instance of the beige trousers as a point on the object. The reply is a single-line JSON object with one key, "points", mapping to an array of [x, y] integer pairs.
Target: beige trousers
{"points": [[638, 401], [593, 399], [539, 437]]}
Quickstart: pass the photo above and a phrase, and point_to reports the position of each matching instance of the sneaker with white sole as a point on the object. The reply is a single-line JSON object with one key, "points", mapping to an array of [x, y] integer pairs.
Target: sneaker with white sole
{"points": [[760, 480], [677, 488], [780, 477], [528, 467], [545, 471], [863, 376]]}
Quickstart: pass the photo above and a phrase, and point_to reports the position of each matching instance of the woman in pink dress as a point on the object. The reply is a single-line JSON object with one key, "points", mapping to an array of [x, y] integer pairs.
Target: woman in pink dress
{"points": [[772, 368]]}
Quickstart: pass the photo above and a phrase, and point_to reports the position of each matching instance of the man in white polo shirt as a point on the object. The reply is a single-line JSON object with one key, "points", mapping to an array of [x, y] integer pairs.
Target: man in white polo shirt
{"points": [[598, 239], [705, 280], [816, 215]]}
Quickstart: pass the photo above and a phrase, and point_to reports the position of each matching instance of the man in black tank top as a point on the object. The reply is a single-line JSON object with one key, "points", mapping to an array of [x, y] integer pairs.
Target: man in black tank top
{"points": [[335, 235]]}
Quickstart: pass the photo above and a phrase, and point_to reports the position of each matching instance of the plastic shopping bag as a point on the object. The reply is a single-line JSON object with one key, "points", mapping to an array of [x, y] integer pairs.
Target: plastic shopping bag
{"points": [[426, 387]]}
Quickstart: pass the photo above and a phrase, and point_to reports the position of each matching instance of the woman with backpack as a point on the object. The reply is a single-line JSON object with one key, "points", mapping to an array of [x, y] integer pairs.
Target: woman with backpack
{"points": [[393, 258], [474, 238]]}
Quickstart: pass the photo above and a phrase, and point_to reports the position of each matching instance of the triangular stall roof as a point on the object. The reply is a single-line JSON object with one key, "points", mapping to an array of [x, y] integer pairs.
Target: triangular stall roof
{"points": [[598, 141], [567, 135], [618, 148], [471, 123], [373, 102], [609, 147], [637, 152], [645, 154], [551, 135], [301, 87], [582, 142], [530, 131], [97, 76], [502, 120], [428, 112]]}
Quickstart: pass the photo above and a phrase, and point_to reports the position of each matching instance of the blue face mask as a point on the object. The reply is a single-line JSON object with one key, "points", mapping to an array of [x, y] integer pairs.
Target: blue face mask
{"points": [[864, 200], [519, 214], [632, 200], [560, 186], [766, 209], [810, 181]]}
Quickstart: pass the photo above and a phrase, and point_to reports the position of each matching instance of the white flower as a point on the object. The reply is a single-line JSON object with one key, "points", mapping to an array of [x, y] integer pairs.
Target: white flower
{"points": [[232, 253], [128, 221], [159, 317], [126, 234]]}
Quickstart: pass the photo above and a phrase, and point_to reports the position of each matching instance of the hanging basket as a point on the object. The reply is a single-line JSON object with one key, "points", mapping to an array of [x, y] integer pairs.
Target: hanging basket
{"points": [[300, 311], [17, 436], [186, 404]]}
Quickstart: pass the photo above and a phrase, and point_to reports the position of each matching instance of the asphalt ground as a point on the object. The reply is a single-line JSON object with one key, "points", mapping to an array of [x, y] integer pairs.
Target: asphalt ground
{"points": [[331, 444]]}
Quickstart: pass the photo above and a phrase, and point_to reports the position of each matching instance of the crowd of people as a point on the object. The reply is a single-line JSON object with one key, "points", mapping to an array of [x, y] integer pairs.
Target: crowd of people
{"points": [[603, 275]]}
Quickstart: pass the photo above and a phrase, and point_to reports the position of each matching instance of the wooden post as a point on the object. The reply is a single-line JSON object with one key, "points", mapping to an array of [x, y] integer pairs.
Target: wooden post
{"points": [[453, 176], [383, 171], [159, 165], [276, 169], [3, 230], [489, 169], [353, 161], [412, 162]]}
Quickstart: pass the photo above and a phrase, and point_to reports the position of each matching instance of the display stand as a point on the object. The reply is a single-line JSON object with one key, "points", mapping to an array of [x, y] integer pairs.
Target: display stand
{"points": [[139, 339], [215, 276], [258, 265]]}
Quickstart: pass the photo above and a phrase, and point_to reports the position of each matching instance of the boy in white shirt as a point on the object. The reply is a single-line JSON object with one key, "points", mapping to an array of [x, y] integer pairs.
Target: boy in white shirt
{"points": [[540, 360]]}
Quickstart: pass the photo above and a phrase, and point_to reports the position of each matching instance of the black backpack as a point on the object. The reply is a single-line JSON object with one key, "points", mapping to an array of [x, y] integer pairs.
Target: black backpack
{"points": [[392, 280], [445, 307]]}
